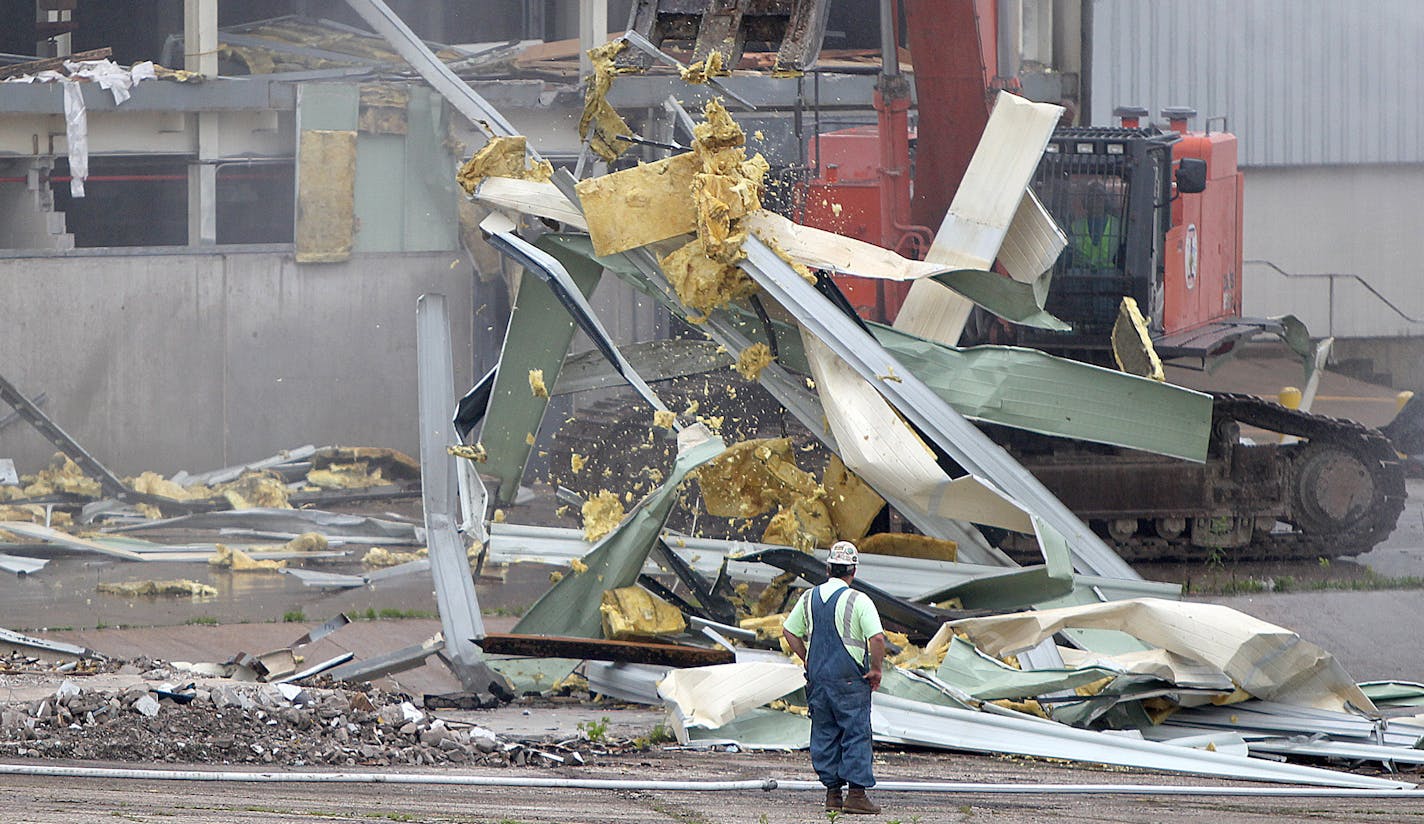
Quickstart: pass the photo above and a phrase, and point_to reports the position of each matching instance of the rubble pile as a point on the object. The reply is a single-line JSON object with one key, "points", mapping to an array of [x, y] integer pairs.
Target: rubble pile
{"points": [[243, 723]]}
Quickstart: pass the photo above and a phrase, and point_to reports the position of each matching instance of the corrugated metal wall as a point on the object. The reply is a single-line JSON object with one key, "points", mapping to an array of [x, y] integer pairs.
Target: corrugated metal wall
{"points": [[1302, 82]]}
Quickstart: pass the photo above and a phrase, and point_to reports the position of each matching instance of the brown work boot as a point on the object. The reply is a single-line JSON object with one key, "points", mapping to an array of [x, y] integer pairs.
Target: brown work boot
{"points": [[857, 804], [833, 799]]}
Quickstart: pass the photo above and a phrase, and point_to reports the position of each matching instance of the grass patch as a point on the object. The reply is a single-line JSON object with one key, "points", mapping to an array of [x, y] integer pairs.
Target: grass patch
{"points": [[392, 614], [202, 620], [505, 612], [294, 616], [1289, 583]]}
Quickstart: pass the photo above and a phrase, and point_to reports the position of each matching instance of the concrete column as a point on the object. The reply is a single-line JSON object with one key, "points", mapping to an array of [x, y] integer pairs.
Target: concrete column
{"points": [[593, 30], [200, 39]]}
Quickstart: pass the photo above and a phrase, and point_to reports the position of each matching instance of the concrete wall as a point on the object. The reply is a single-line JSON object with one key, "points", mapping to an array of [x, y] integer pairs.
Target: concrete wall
{"points": [[1360, 220], [194, 361]]}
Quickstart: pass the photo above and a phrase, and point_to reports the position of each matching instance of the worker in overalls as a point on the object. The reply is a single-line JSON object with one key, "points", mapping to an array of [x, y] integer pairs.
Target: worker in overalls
{"points": [[843, 657]]}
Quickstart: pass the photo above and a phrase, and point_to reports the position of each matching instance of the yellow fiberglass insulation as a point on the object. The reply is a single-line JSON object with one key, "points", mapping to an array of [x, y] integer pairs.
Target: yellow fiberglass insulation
{"points": [[133, 589], [239, 561], [62, 475], [255, 490], [601, 514], [751, 477], [600, 123], [803, 524], [705, 69], [752, 360], [502, 157], [379, 556], [356, 475], [633, 613], [536, 384], [702, 283]]}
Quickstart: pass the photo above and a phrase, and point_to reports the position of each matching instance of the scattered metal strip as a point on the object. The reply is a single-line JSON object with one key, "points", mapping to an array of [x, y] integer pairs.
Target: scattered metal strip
{"points": [[637, 683], [317, 669], [54, 536], [961, 440], [931, 725], [232, 473], [655, 360], [400, 660], [62, 441], [449, 566], [21, 565], [1341, 750], [45, 645], [325, 580], [291, 522], [322, 631], [397, 571], [598, 649]]}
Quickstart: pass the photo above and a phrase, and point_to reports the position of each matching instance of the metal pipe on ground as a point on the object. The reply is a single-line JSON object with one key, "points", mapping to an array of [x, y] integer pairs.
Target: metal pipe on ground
{"points": [[765, 784]]}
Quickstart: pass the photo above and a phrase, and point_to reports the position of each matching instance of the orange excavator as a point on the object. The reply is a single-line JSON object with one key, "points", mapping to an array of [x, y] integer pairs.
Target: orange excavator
{"points": [[1150, 213]]}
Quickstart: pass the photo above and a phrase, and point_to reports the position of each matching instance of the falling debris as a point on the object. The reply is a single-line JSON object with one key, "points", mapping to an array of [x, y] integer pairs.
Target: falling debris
{"points": [[702, 283], [753, 476], [600, 123], [134, 589], [576, 462], [502, 157], [633, 613], [700, 72], [664, 418], [752, 360], [470, 452], [601, 514], [1132, 343], [536, 383]]}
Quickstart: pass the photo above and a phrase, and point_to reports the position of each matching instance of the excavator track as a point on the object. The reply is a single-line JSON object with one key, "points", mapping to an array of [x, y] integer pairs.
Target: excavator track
{"points": [[1337, 491]]}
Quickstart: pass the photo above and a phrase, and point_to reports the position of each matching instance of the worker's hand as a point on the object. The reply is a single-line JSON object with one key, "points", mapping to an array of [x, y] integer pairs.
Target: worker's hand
{"points": [[874, 678]]}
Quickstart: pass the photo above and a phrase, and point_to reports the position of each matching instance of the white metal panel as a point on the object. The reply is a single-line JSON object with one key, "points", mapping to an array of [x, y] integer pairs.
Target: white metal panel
{"points": [[1301, 82]]}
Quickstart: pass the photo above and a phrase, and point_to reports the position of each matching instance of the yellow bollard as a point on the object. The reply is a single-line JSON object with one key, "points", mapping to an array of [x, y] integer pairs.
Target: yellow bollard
{"points": [[1290, 398]]}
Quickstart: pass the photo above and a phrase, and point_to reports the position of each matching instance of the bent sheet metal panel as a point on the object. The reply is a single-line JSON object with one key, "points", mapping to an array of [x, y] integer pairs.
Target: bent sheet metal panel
{"points": [[985, 204], [1027, 389]]}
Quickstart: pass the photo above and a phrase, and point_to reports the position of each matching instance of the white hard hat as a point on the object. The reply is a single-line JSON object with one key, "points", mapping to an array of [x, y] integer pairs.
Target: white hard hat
{"points": [[843, 553]]}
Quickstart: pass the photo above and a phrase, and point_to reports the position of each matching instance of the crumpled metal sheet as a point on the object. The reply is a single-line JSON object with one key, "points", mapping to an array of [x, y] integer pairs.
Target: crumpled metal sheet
{"points": [[1265, 660]]}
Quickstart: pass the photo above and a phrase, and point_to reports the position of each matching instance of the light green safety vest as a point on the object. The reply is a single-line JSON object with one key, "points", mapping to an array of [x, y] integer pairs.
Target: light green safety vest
{"points": [[1097, 254]]}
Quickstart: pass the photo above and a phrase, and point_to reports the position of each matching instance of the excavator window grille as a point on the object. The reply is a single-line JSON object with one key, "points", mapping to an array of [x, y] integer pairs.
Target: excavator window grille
{"points": [[1087, 194]]}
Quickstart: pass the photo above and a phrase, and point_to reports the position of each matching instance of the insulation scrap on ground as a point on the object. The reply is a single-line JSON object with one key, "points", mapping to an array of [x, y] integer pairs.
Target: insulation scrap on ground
{"points": [[238, 561], [256, 490], [600, 123], [62, 475], [379, 556], [358, 475], [633, 613], [133, 589], [601, 514], [576, 462], [502, 157], [664, 418], [34, 513]]}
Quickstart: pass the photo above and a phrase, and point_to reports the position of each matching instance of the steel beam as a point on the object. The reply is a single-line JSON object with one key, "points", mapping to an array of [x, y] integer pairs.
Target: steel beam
{"points": [[449, 567]]}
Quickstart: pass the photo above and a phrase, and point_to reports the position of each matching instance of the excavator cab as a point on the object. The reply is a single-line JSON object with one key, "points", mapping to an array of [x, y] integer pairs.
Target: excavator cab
{"points": [[1109, 190]]}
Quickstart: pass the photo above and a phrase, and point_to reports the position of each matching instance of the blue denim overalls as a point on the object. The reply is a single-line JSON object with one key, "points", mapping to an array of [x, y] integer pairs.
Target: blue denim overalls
{"points": [[840, 701]]}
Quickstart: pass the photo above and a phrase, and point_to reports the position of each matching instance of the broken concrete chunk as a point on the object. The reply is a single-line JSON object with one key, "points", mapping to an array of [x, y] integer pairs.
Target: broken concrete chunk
{"points": [[146, 705]]}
